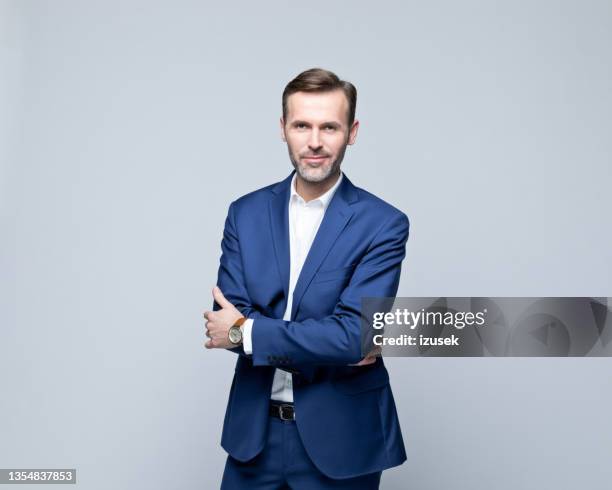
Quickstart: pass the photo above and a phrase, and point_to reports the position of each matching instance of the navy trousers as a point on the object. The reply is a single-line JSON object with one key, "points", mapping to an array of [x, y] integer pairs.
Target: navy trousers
{"points": [[283, 464]]}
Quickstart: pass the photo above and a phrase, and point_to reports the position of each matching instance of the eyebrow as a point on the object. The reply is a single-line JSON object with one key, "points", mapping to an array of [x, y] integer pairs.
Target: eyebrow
{"points": [[327, 123]]}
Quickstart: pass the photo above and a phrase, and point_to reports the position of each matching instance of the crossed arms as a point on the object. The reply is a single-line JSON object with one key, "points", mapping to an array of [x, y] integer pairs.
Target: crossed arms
{"points": [[333, 339]]}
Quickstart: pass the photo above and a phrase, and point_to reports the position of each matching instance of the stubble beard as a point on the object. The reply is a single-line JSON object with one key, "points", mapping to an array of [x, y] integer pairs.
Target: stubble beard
{"points": [[318, 174]]}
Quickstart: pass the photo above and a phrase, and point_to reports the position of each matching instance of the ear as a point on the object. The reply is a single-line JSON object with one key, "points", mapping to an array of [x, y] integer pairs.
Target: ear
{"points": [[353, 132], [282, 126]]}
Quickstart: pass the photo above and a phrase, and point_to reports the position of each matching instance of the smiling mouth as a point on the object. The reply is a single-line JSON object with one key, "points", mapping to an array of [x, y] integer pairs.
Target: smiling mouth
{"points": [[315, 159]]}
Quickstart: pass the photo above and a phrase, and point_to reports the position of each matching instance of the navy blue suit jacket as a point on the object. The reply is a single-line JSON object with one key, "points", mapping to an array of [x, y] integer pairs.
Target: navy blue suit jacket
{"points": [[345, 415]]}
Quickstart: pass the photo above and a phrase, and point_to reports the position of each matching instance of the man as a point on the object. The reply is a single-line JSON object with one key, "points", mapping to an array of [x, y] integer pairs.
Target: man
{"points": [[307, 409]]}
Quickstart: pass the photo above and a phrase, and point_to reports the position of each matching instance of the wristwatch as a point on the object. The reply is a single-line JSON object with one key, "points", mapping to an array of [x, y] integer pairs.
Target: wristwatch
{"points": [[235, 332]]}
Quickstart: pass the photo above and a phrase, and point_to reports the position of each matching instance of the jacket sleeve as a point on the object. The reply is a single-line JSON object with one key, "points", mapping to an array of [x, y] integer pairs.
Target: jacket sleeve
{"points": [[230, 280], [336, 338], [230, 277]]}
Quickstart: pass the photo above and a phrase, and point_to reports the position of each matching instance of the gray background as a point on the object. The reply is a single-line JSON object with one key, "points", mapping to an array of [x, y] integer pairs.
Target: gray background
{"points": [[128, 127]]}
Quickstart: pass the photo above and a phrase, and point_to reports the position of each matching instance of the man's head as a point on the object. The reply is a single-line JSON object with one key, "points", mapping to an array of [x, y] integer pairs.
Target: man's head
{"points": [[318, 123]]}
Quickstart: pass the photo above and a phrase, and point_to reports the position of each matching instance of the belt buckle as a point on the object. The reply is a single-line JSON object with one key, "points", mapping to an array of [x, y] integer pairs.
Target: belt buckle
{"points": [[281, 412]]}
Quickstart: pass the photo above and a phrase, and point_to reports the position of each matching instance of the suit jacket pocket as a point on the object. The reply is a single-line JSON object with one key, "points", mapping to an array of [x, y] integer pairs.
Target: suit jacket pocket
{"points": [[362, 378], [334, 274]]}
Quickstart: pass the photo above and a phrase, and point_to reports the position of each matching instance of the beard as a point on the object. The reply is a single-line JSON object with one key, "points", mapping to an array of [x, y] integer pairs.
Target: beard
{"points": [[318, 174]]}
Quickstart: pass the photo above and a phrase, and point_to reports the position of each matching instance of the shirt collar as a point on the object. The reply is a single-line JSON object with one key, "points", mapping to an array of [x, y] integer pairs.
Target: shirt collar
{"points": [[324, 198]]}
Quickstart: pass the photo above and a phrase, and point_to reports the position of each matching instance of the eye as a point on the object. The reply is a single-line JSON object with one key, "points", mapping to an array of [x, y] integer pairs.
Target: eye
{"points": [[330, 128]]}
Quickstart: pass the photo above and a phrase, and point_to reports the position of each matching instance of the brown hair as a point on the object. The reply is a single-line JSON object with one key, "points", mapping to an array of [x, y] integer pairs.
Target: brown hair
{"points": [[320, 80]]}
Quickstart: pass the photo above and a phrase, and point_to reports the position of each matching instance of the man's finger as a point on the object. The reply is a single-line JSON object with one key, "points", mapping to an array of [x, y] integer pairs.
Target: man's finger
{"points": [[366, 361], [219, 298], [209, 344], [375, 351]]}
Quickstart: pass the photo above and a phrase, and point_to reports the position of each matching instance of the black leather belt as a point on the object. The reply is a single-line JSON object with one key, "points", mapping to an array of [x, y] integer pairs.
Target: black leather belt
{"points": [[282, 410]]}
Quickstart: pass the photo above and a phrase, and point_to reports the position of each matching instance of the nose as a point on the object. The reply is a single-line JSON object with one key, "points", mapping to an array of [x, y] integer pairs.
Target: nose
{"points": [[314, 143]]}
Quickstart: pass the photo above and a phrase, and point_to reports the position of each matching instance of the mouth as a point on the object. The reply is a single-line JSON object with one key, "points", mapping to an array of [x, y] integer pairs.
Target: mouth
{"points": [[316, 159]]}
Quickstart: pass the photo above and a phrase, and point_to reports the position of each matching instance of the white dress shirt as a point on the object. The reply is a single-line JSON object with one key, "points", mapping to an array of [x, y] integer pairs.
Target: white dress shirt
{"points": [[304, 221]]}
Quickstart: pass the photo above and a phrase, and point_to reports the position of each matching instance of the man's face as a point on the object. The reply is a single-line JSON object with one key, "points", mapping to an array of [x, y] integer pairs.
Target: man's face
{"points": [[317, 133]]}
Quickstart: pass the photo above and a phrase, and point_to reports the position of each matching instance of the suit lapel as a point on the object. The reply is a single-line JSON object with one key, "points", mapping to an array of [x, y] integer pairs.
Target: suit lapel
{"points": [[279, 224], [335, 219]]}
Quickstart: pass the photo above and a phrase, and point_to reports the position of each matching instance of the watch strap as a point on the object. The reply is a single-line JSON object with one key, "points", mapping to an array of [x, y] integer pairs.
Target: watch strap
{"points": [[239, 322]]}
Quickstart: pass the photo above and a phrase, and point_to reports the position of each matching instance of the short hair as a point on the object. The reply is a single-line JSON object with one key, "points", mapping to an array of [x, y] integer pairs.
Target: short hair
{"points": [[320, 80]]}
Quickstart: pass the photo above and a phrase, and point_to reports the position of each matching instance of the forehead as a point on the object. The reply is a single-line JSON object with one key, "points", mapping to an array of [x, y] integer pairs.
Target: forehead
{"points": [[317, 106]]}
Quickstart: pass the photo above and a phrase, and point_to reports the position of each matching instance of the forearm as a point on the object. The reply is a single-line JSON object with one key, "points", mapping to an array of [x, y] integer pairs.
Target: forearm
{"points": [[335, 339], [246, 348]]}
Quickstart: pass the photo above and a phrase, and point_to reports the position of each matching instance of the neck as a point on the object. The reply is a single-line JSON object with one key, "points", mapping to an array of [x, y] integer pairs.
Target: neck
{"points": [[311, 190]]}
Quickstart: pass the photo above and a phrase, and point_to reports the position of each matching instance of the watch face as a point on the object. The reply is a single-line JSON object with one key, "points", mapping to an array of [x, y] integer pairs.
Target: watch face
{"points": [[235, 335]]}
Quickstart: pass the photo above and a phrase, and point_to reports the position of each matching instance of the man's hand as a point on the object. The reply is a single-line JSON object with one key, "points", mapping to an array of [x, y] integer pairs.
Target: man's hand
{"points": [[219, 322], [370, 358]]}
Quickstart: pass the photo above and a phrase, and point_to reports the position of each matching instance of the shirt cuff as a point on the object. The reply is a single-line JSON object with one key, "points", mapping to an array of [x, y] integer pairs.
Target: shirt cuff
{"points": [[247, 342]]}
